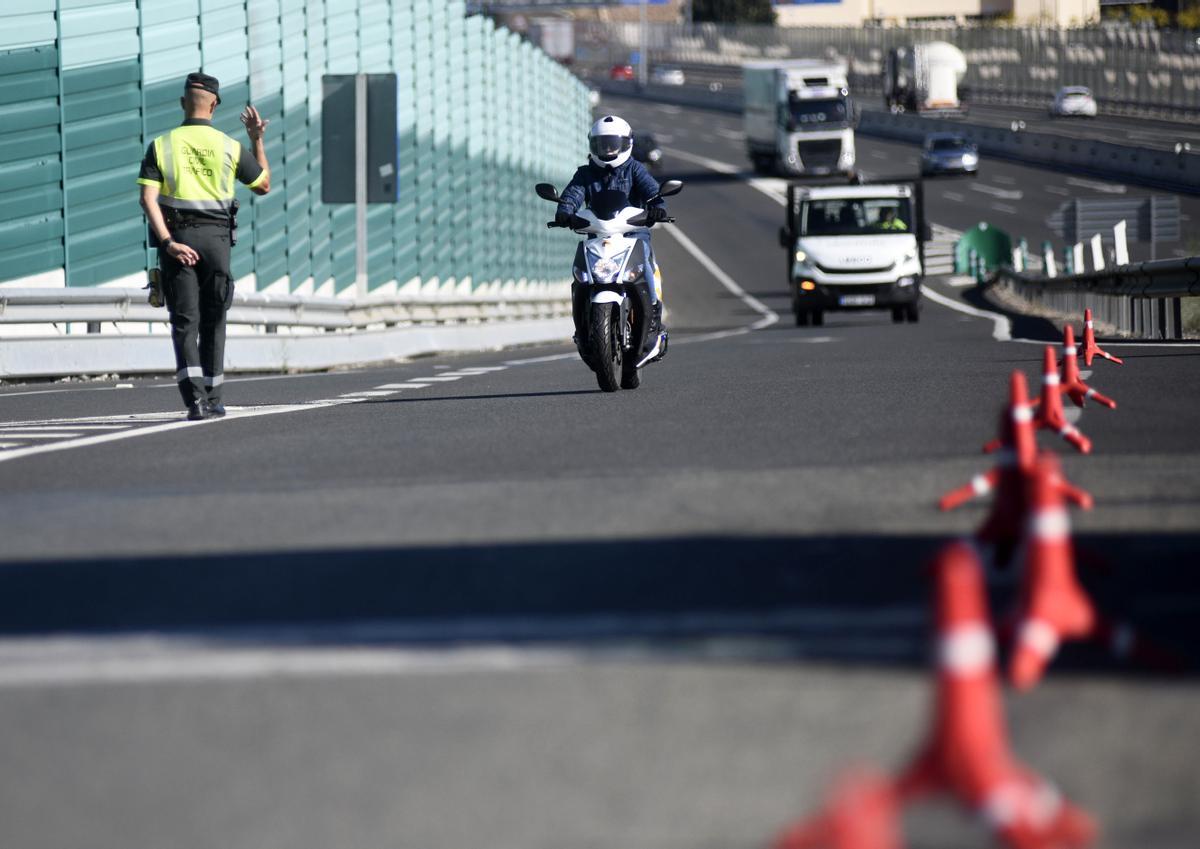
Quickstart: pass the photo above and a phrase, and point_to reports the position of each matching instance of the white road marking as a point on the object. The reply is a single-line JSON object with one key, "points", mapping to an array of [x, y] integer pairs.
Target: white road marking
{"points": [[1003, 194], [403, 386], [370, 393], [1106, 188], [317, 652], [1005, 208], [666, 107], [954, 196], [547, 359], [769, 316], [41, 434], [1058, 190], [74, 426], [733, 135], [1004, 181], [1002, 326], [177, 423], [439, 378]]}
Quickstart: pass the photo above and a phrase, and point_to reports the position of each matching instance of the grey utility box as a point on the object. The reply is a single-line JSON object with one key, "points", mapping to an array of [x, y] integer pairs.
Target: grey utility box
{"points": [[338, 139]]}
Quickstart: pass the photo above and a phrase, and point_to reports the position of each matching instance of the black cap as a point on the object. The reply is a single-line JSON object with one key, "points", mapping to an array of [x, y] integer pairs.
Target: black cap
{"points": [[205, 82]]}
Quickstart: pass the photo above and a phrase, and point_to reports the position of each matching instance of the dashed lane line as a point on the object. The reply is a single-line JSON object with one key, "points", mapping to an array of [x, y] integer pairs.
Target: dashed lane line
{"points": [[404, 386]]}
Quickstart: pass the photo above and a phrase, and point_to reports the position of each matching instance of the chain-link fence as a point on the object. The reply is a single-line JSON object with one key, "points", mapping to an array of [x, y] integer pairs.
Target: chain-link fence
{"points": [[1130, 71]]}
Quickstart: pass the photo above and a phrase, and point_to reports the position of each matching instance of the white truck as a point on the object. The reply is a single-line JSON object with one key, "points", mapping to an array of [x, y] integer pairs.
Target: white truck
{"points": [[924, 78], [798, 117], [857, 246]]}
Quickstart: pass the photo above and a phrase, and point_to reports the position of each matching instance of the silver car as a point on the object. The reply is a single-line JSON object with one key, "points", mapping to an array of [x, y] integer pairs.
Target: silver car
{"points": [[948, 153], [1073, 100]]}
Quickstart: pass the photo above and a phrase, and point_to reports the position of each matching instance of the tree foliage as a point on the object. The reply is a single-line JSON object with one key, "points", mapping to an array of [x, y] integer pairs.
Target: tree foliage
{"points": [[733, 11]]}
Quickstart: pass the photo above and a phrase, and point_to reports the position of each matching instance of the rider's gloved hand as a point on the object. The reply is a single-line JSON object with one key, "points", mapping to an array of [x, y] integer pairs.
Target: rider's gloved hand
{"points": [[656, 214], [562, 219]]}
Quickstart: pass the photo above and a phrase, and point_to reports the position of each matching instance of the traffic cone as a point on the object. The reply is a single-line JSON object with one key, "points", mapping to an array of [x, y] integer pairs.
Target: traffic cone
{"points": [[967, 754], [1072, 383], [1050, 414], [862, 812], [1090, 348], [1017, 452], [1053, 604]]}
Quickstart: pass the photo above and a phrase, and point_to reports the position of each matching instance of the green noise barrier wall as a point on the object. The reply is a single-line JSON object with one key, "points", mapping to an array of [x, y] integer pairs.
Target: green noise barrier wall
{"points": [[483, 115]]}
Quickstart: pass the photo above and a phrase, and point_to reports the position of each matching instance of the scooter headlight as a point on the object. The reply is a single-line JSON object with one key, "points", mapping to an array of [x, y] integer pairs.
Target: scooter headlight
{"points": [[606, 269]]}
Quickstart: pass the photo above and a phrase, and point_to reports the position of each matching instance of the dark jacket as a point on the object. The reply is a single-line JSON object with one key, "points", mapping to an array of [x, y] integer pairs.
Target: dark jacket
{"points": [[632, 178]]}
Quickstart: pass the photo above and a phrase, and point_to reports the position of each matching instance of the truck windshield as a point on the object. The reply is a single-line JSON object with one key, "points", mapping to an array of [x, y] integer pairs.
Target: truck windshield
{"points": [[809, 114], [855, 216]]}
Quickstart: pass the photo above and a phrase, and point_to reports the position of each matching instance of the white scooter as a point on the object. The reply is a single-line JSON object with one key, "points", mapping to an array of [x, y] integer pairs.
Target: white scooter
{"points": [[617, 332]]}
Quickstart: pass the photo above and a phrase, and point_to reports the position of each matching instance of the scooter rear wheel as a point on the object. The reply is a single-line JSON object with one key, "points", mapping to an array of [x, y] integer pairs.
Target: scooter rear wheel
{"points": [[606, 347]]}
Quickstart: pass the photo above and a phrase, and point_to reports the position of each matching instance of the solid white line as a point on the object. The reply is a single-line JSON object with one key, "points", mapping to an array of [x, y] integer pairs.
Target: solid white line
{"points": [[23, 434], [403, 386], [769, 316], [439, 378], [1002, 329], [547, 359], [178, 424], [369, 393], [303, 652], [74, 426]]}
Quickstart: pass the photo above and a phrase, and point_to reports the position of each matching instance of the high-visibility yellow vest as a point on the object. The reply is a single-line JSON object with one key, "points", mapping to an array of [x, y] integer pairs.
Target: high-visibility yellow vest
{"points": [[198, 165]]}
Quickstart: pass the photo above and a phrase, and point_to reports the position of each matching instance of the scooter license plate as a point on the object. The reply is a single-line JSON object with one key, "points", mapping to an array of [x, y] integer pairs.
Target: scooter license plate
{"points": [[857, 300]]}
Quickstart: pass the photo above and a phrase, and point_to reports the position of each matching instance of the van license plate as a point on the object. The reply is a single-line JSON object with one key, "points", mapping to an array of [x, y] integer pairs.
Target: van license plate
{"points": [[857, 300]]}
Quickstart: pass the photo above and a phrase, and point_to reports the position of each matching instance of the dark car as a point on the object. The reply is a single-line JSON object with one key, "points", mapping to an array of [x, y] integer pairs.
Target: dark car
{"points": [[647, 152], [948, 153]]}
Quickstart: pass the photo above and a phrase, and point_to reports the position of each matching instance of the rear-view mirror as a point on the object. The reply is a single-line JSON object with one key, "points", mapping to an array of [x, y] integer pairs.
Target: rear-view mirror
{"points": [[671, 187], [926, 233], [546, 192], [785, 238]]}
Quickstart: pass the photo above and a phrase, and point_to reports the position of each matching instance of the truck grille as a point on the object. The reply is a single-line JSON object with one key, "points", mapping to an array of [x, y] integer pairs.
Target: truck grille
{"points": [[820, 154], [867, 270]]}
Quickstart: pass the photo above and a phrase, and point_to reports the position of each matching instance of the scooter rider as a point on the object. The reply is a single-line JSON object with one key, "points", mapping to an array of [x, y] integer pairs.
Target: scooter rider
{"points": [[611, 167]]}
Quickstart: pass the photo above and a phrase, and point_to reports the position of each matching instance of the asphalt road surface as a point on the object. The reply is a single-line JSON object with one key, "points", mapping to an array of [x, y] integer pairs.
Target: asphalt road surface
{"points": [[474, 601]]}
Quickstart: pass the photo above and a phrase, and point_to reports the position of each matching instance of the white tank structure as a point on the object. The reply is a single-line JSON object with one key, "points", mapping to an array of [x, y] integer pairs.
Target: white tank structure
{"points": [[924, 78]]}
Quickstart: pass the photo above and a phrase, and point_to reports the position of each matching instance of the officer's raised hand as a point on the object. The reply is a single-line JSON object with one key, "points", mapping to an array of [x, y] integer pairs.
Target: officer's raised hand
{"points": [[254, 123]]}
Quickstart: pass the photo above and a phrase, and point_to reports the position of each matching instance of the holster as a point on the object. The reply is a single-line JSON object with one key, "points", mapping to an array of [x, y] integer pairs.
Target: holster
{"points": [[233, 211], [155, 296]]}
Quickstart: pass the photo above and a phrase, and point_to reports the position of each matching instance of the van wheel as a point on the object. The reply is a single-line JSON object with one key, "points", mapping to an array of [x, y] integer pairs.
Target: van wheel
{"points": [[912, 313], [801, 316], [818, 318], [897, 315]]}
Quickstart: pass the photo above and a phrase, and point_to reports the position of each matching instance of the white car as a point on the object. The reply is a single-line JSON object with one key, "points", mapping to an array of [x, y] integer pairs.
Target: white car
{"points": [[1074, 100], [668, 76]]}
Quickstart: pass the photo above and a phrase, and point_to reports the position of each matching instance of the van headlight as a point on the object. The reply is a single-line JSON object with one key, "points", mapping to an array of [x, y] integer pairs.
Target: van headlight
{"points": [[801, 257], [906, 281]]}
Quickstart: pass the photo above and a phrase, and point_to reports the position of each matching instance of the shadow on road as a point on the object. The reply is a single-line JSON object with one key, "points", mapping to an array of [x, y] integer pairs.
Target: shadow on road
{"points": [[856, 598]]}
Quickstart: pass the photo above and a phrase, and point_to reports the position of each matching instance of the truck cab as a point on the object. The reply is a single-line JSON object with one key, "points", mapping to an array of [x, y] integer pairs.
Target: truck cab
{"points": [[798, 117], [855, 247]]}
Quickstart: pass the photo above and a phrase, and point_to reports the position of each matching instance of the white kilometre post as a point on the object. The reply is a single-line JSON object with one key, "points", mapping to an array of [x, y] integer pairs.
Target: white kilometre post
{"points": [[1097, 253], [1077, 257], [1120, 243]]}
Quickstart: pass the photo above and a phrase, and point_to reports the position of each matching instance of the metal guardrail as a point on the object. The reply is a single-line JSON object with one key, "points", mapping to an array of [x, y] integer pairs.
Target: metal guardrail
{"points": [[1141, 299], [109, 305]]}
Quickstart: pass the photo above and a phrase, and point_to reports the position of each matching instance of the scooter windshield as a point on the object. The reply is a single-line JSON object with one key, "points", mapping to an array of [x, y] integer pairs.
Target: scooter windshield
{"points": [[606, 204]]}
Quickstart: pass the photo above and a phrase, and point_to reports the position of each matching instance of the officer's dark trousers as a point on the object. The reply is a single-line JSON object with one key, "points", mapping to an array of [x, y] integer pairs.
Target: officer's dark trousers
{"points": [[197, 298]]}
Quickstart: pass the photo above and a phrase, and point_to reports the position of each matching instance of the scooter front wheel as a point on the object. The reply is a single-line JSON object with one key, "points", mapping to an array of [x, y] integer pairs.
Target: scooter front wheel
{"points": [[606, 347]]}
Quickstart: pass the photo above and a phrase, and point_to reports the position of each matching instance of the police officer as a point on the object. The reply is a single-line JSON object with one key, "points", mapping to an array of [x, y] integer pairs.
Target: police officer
{"points": [[187, 181]]}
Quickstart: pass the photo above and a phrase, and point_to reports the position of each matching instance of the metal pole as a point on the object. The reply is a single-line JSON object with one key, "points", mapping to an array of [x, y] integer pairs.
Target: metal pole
{"points": [[642, 47], [360, 185]]}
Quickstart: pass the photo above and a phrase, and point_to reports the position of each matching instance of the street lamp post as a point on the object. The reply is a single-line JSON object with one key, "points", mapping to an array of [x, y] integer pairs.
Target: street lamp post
{"points": [[642, 47]]}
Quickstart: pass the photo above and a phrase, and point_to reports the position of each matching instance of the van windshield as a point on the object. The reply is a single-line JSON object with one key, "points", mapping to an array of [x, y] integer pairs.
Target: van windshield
{"points": [[855, 216]]}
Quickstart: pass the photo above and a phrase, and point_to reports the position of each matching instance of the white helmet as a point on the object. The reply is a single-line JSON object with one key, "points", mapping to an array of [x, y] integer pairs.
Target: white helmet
{"points": [[610, 142]]}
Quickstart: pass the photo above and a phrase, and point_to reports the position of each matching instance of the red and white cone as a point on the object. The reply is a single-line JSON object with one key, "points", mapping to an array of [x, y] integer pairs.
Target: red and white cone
{"points": [[1090, 348], [967, 754], [1017, 452], [1054, 606], [862, 812], [1050, 414], [1072, 383]]}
